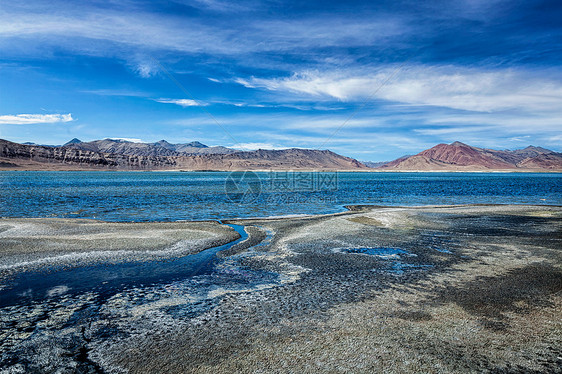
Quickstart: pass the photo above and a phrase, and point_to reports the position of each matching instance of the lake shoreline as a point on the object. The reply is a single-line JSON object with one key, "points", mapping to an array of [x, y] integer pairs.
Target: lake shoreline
{"points": [[372, 170], [110, 241]]}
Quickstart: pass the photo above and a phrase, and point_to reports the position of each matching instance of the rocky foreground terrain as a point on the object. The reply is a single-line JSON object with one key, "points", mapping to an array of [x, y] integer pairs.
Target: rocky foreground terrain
{"points": [[377, 289]]}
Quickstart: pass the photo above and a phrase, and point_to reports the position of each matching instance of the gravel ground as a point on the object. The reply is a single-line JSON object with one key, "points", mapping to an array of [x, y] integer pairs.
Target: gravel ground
{"points": [[444, 289]]}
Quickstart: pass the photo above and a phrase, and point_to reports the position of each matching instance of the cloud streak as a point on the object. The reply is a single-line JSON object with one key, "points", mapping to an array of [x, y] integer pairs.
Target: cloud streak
{"points": [[167, 32], [449, 86], [255, 146], [29, 119], [181, 102]]}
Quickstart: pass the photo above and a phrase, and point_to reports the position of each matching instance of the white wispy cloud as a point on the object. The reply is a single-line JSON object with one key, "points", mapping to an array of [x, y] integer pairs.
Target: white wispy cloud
{"points": [[319, 123], [254, 146], [152, 31], [27, 119], [453, 130], [225, 6], [452, 87], [181, 102], [349, 142], [557, 140], [144, 66], [524, 138], [508, 121]]}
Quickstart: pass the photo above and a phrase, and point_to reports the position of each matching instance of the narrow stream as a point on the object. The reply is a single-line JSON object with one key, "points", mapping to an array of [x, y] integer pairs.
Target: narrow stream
{"points": [[108, 279]]}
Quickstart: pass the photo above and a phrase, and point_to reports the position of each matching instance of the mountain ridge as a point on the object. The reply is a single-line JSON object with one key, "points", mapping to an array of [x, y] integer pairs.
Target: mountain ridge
{"points": [[459, 156], [159, 148], [123, 155], [120, 154]]}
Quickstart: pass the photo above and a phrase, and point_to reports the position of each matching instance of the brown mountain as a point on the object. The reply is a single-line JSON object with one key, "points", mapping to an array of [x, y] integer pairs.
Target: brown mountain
{"points": [[160, 148], [462, 157], [105, 155]]}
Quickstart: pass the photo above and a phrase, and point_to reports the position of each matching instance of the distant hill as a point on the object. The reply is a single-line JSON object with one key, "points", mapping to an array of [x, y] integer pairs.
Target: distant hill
{"points": [[376, 164], [115, 154], [458, 156], [43, 145], [373, 164], [73, 141]]}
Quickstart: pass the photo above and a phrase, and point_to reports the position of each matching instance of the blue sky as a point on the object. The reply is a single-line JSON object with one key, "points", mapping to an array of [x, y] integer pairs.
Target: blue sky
{"points": [[371, 80]]}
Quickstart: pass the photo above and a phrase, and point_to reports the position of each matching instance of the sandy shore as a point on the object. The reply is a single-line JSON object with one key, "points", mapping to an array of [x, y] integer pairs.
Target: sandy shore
{"points": [[376, 289]]}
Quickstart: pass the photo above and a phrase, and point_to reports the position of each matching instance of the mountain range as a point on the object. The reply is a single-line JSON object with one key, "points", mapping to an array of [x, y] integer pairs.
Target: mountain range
{"points": [[160, 148], [125, 147], [118, 154], [458, 156], [115, 154]]}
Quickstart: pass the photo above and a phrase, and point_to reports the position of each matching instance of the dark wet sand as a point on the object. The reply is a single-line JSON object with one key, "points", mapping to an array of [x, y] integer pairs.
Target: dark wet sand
{"points": [[479, 289]]}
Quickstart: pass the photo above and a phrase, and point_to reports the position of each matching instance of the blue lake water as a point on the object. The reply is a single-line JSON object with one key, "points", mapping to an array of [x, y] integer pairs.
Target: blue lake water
{"points": [[171, 196]]}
